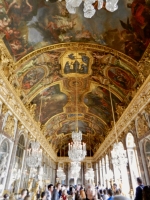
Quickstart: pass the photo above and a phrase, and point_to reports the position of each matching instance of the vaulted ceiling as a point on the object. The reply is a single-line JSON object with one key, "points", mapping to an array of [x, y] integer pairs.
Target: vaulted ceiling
{"points": [[67, 65]]}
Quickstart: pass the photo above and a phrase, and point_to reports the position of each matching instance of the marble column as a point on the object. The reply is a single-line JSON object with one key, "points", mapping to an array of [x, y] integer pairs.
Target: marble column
{"points": [[101, 174], [97, 177], [107, 171], [103, 167], [82, 173]]}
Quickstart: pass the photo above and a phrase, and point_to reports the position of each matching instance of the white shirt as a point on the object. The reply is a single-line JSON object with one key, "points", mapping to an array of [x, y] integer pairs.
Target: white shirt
{"points": [[105, 197], [49, 195]]}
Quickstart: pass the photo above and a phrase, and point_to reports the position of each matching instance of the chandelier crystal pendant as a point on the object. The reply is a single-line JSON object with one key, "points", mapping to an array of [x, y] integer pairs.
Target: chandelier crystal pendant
{"points": [[89, 9], [119, 156], [74, 170], [89, 175], [60, 174], [77, 149], [75, 166], [34, 157]]}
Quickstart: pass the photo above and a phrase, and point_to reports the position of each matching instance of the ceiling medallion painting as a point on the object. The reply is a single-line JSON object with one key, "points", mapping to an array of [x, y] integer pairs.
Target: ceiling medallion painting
{"points": [[54, 80], [76, 62], [126, 29]]}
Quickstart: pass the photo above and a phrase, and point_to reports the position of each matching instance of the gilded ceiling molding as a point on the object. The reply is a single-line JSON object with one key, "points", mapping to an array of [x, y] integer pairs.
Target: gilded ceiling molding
{"points": [[140, 100], [144, 65], [15, 105], [77, 46], [6, 60]]}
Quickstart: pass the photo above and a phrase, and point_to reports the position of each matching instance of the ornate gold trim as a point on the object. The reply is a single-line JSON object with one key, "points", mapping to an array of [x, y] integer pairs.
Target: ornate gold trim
{"points": [[140, 100], [77, 46], [15, 105]]}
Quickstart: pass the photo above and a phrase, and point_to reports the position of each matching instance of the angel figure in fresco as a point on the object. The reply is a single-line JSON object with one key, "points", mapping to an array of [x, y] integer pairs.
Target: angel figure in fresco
{"points": [[29, 65], [142, 126], [119, 110], [17, 4]]}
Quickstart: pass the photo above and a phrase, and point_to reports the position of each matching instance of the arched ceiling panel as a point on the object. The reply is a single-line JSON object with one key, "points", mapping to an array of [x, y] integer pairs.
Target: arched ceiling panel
{"points": [[71, 84]]}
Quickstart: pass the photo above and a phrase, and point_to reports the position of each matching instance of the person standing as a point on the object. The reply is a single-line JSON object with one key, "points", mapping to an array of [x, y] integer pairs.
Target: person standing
{"points": [[139, 189], [23, 194], [43, 196], [82, 193], [55, 195], [49, 192], [118, 196], [114, 188], [105, 196], [110, 194]]}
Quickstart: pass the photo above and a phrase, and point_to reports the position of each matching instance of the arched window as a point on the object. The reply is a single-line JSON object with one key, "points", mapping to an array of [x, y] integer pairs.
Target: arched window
{"points": [[3, 149], [147, 154], [4, 157], [18, 163], [4, 152], [20, 151], [133, 160]]}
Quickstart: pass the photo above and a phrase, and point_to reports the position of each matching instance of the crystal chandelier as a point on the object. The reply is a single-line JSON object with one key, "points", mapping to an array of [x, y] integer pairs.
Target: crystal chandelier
{"points": [[74, 170], [119, 157], [89, 175], [75, 166], [34, 155], [89, 6], [77, 149], [60, 174]]}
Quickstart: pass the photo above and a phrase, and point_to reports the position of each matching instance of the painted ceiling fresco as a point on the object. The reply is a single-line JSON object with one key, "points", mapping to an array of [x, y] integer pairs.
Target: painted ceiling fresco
{"points": [[30, 25], [70, 87]]}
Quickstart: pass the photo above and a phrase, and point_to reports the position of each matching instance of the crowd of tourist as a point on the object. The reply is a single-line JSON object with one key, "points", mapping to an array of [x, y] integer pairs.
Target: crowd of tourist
{"points": [[78, 192]]}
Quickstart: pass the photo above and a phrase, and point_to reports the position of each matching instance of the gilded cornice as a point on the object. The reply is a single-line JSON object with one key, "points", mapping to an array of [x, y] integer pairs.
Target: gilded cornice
{"points": [[77, 46], [15, 105], [67, 160], [140, 100]]}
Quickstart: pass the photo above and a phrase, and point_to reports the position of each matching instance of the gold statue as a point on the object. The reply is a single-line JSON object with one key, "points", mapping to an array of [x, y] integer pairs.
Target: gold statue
{"points": [[35, 190], [9, 126], [31, 108], [4, 108], [12, 197], [119, 110], [30, 181]]}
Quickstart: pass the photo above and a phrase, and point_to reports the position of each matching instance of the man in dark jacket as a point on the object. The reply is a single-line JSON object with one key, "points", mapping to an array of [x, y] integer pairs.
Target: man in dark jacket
{"points": [[55, 195], [139, 189]]}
